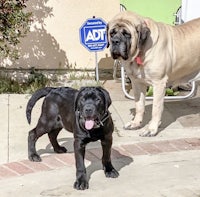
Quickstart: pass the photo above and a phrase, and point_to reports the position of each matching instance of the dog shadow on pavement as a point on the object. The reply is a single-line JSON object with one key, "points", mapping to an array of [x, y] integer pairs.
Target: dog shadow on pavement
{"points": [[66, 142], [186, 112], [119, 161], [93, 155]]}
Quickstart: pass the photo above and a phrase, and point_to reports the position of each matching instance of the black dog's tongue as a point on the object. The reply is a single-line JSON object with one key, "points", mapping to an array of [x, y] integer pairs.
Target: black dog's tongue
{"points": [[89, 124]]}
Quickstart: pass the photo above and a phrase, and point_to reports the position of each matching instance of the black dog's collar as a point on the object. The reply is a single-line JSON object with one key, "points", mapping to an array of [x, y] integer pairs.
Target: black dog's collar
{"points": [[103, 119], [100, 122]]}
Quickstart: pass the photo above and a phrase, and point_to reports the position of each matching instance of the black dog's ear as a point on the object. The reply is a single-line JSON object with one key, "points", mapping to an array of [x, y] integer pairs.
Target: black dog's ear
{"points": [[107, 28], [77, 95], [106, 96], [143, 33], [75, 101]]}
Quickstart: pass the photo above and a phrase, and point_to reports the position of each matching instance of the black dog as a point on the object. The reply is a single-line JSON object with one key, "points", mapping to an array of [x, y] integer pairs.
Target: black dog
{"points": [[85, 113]]}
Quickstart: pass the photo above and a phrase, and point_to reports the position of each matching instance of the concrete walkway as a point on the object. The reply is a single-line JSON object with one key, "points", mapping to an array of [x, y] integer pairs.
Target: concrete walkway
{"points": [[165, 165]]}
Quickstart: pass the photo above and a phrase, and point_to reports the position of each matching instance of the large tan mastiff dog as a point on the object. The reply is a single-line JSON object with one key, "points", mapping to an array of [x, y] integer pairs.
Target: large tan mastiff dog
{"points": [[154, 54]]}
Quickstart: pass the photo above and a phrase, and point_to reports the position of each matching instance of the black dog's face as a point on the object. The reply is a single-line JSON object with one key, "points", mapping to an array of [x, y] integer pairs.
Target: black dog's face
{"points": [[91, 103], [120, 42]]}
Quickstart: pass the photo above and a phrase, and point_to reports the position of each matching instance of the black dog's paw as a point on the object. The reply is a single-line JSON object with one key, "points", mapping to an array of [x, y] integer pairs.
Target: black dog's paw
{"points": [[61, 149], [112, 173], [34, 157], [81, 185], [109, 170]]}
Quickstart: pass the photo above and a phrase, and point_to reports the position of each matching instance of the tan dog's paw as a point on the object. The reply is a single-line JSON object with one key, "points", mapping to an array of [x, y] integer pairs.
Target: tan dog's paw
{"points": [[148, 133], [132, 126], [151, 129]]}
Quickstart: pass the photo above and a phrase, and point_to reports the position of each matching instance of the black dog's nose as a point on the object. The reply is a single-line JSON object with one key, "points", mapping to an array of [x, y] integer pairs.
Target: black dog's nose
{"points": [[88, 109]]}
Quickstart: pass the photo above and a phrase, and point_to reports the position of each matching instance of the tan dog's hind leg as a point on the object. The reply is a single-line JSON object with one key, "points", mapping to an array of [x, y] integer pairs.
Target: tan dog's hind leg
{"points": [[139, 91], [157, 109]]}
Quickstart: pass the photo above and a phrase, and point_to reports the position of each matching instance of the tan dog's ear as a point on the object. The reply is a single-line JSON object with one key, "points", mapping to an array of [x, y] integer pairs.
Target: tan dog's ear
{"points": [[143, 33], [107, 27]]}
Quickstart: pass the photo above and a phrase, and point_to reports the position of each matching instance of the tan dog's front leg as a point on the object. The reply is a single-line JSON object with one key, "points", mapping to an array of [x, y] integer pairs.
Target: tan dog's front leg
{"points": [[139, 91], [157, 109]]}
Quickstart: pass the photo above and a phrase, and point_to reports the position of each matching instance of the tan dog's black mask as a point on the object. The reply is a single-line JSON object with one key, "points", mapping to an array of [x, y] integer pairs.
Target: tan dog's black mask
{"points": [[120, 39]]}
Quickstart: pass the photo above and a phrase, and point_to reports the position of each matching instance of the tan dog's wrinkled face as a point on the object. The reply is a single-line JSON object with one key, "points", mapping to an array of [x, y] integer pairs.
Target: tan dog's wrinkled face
{"points": [[119, 38], [126, 39]]}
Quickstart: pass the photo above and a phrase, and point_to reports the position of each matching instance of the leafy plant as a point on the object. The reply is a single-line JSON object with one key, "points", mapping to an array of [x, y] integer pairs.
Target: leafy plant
{"points": [[35, 81], [168, 92], [14, 24]]}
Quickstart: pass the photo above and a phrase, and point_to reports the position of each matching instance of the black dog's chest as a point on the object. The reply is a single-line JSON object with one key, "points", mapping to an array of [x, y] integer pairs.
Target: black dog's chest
{"points": [[93, 135]]}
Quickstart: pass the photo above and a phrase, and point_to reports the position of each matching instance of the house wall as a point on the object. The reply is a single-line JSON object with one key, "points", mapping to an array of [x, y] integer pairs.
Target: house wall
{"points": [[54, 38]]}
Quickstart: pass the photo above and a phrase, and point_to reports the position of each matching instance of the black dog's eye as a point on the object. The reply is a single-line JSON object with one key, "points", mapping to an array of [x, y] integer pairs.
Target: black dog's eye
{"points": [[82, 101], [98, 100]]}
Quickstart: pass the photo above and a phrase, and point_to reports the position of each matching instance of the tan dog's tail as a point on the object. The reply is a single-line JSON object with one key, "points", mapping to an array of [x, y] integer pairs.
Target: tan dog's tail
{"points": [[35, 97]]}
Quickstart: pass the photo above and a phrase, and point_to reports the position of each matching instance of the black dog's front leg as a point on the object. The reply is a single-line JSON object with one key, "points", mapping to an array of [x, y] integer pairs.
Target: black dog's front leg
{"points": [[81, 182], [109, 170]]}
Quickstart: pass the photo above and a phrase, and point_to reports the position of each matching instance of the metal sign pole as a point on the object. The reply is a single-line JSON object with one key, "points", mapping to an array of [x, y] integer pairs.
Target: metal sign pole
{"points": [[97, 67], [93, 37]]}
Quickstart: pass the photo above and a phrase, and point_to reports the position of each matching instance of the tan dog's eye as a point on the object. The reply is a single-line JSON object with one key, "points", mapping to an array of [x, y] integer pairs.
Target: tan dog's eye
{"points": [[112, 33], [126, 34]]}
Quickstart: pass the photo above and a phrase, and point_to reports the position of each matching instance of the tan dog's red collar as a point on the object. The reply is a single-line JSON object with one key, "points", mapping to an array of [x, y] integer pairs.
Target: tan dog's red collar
{"points": [[138, 60]]}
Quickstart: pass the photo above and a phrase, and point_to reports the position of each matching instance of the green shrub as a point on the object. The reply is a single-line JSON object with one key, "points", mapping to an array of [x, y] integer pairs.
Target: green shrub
{"points": [[35, 81]]}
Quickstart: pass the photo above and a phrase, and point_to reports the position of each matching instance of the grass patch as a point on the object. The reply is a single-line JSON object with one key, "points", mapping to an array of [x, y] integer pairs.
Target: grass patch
{"points": [[35, 81], [168, 92]]}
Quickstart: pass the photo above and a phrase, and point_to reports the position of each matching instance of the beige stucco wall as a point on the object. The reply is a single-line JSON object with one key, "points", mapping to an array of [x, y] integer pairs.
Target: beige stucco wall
{"points": [[54, 38]]}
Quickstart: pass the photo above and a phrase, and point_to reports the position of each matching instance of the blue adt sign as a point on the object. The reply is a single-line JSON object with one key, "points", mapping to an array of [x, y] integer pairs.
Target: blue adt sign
{"points": [[93, 34]]}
